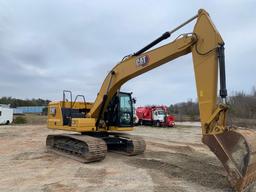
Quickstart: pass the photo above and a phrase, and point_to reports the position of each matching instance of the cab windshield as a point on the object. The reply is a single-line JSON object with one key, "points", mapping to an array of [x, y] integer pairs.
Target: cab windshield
{"points": [[160, 112], [125, 109], [125, 103]]}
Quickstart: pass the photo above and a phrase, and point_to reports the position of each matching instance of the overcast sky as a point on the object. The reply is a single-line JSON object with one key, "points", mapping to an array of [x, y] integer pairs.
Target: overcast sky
{"points": [[50, 45]]}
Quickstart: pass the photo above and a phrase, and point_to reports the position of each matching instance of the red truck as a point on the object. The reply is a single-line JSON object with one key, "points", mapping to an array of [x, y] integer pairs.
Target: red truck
{"points": [[154, 115]]}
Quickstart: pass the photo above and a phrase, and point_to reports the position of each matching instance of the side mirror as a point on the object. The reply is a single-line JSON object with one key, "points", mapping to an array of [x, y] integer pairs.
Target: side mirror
{"points": [[133, 100]]}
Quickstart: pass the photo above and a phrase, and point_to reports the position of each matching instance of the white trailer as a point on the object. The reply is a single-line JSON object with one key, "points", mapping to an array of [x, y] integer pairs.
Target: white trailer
{"points": [[6, 114]]}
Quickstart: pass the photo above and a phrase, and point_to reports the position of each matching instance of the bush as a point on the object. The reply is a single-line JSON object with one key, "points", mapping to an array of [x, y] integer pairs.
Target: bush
{"points": [[20, 120]]}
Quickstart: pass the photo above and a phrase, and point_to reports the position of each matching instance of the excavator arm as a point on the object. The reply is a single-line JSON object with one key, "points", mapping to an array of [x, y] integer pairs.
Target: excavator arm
{"points": [[235, 148]]}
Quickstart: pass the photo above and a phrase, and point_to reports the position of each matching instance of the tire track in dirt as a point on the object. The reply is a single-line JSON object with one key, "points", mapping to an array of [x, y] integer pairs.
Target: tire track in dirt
{"points": [[193, 167]]}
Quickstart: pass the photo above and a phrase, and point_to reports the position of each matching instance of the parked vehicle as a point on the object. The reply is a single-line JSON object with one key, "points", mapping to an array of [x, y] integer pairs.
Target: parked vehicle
{"points": [[135, 117], [6, 114], [154, 115]]}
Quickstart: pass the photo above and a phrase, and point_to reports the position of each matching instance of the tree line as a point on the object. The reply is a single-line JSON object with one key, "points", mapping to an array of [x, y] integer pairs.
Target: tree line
{"points": [[241, 105], [13, 102]]}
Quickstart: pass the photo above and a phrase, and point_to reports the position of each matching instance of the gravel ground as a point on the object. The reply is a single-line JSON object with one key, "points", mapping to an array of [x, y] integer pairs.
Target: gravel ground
{"points": [[175, 160]]}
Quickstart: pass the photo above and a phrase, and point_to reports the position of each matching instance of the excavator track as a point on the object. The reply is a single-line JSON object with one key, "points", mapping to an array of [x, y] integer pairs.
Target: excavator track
{"points": [[125, 144], [82, 148]]}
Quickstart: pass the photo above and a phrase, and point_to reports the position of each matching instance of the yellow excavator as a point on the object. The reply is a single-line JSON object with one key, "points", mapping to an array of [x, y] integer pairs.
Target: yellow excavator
{"points": [[99, 125]]}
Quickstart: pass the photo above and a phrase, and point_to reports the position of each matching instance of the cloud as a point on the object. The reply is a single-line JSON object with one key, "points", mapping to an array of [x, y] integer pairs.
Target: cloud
{"points": [[47, 46]]}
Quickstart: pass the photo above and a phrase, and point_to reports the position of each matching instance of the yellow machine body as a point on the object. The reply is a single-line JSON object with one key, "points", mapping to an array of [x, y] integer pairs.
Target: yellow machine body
{"points": [[55, 118]]}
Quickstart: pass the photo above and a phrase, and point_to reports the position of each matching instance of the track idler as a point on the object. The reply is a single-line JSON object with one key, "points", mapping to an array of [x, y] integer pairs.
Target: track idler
{"points": [[236, 149]]}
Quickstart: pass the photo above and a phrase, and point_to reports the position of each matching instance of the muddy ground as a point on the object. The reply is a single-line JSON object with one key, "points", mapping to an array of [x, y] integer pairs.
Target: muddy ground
{"points": [[175, 160]]}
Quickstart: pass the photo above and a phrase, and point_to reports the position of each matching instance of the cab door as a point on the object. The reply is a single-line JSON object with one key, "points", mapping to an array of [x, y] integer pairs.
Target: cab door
{"points": [[125, 110]]}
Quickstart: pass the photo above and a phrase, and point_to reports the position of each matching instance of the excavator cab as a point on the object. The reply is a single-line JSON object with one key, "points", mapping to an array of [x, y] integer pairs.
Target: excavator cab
{"points": [[120, 110]]}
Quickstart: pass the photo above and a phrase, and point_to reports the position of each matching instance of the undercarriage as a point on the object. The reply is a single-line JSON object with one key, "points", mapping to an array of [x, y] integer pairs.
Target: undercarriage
{"points": [[91, 147]]}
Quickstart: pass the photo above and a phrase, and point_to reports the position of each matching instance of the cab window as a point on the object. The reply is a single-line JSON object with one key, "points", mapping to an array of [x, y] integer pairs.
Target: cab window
{"points": [[125, 109], [161, 112], [53, 111]]}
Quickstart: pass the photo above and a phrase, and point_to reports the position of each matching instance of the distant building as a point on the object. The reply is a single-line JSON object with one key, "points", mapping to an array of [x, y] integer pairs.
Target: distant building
{"points": [[17, 111], [29, 109]]}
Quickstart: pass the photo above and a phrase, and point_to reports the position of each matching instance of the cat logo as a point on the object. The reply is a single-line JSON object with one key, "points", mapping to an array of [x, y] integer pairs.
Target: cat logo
{"points": [[142, 61]]}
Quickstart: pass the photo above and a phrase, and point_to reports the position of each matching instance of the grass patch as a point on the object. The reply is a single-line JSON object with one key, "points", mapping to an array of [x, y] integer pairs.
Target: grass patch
{"points": [[20, 120], [34, 119]]}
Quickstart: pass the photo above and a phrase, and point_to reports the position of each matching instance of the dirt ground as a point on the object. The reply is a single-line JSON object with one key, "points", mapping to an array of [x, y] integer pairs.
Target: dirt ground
{"points": [[175, 160]]}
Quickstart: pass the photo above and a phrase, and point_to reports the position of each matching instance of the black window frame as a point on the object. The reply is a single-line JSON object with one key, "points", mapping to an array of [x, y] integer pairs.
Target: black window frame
{"points": [[119, 111]]}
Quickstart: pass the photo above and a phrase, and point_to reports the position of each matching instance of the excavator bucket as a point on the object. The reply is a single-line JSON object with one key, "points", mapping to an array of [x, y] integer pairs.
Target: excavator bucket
{"points": [[236, 149]]}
